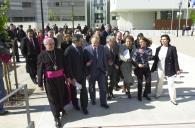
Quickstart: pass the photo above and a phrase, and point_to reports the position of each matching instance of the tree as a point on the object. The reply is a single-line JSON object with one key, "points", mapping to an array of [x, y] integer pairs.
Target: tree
{"points": [[52, 15], [192, 16], [3, 19]]}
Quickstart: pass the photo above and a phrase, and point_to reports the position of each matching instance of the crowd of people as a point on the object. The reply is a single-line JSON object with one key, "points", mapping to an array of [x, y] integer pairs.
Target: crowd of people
{"points": [[60, 61]]}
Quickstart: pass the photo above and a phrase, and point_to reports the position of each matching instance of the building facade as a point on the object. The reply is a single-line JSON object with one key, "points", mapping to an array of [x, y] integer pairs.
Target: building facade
{"points": [[58, 12], [99, 12], [149, 14]]}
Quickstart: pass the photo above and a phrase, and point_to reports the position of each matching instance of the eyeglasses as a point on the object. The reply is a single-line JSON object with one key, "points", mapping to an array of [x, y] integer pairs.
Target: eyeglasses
{"points": [[50, 43]]}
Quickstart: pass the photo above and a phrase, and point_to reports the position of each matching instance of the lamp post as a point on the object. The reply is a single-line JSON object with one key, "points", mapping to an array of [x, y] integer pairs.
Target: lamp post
{"points": [[72, 5], [42, 19], [178, 28]]}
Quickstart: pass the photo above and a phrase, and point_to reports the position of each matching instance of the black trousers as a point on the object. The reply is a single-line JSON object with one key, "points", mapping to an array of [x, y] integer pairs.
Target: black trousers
{"points": [[83, 95], [57, 94], [16, 51], [113, 74], [141, 73], [31, 66]]}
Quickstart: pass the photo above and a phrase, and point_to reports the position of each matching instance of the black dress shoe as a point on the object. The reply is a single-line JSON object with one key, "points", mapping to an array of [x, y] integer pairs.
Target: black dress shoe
{"points": [[117, 88], [139, 98], [109, 98], [93, 102], [34, 81], [58, 123], [63, 112], [4, 113], [147, 97], [112, 95], [174, 102], [128, 95], [105, 106], [85, 112]]}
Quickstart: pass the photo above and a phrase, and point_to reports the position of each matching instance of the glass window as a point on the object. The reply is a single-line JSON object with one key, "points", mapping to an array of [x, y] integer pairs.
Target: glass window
{"points": [[113, 17], [57, 4], [26, 4]]}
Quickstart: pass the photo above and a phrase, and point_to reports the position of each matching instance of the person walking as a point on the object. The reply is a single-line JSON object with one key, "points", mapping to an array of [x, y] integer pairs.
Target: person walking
{"points": [[142, 56], [51, 65], [126, 52], [166, 63], [95, 59], [30, 50], [76, 71]]}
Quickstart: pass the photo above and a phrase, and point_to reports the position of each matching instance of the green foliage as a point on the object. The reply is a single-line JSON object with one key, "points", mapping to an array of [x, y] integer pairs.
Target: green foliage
{"points": [[192, 16], [3, 19], [52, 15]]}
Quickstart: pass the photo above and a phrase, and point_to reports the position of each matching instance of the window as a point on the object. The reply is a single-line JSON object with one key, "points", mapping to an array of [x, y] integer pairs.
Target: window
{"points": [[57, 4], [29, 19], [17, 19], [23, 19], [26, 4], [113, 17], [79, 18]]}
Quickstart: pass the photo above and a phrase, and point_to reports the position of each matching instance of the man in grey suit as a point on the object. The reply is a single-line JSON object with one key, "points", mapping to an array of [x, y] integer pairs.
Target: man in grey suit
{"points": [[111, 52], [95, 59]]}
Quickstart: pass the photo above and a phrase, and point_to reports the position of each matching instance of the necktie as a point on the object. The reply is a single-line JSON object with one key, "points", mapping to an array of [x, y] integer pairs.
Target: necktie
{"points": [[95, 54], [32, 42], [78, 50], [112, 54]]}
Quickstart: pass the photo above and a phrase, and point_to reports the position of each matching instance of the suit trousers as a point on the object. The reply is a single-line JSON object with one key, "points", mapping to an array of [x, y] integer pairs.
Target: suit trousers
{"points": [[140, 73], [170, 81], [83, 95], [100, 77], [113, 74], [2, 88]]}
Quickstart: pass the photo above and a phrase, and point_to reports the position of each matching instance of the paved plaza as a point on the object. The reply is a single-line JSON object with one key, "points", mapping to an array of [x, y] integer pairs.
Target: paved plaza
{"points": [[123, 112]]}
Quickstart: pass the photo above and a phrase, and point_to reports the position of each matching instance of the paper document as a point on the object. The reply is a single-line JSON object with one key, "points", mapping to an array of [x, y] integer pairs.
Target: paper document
{"points": [[78, 85], [126, 54]]}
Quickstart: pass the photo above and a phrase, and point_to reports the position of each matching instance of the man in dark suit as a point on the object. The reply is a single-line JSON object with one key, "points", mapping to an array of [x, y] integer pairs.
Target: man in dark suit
{"points": [[113, 64], [30, 50], [97, 69], [76, 70]]}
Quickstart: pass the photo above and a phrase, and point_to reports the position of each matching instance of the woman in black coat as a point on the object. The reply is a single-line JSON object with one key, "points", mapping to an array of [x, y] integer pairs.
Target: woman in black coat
{"points": [[166, 62]]}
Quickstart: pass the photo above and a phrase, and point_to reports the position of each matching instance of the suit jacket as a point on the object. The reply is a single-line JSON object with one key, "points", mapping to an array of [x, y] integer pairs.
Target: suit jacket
{"points": [[171, 61], [111, 56], [74, 63], [28, 49], [101, 61]]}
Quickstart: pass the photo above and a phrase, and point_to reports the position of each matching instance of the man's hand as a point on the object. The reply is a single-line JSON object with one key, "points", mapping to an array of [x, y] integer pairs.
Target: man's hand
{"points": [[116, 66], [140, 65], [73, 81], [141, 51], [89, 63]]}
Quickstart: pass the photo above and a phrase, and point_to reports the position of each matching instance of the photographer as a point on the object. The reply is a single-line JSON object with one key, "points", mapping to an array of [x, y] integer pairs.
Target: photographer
{"points": [[4, 57]]}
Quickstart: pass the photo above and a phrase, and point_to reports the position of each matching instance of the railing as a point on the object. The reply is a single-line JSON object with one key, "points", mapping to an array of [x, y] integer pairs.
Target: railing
{"points": [[30, 123]]}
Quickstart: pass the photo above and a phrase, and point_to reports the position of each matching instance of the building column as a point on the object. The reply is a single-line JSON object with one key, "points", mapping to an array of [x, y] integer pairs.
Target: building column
{"points": [[158, 17]]}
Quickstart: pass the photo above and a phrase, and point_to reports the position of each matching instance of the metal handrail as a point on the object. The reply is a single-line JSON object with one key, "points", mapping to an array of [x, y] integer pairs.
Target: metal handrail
{"points": [[30, 123]]}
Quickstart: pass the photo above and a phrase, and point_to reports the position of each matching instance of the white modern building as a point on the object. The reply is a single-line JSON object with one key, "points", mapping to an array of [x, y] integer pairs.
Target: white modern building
{"points": [[99, 12], [58, 12], [149, 14]]}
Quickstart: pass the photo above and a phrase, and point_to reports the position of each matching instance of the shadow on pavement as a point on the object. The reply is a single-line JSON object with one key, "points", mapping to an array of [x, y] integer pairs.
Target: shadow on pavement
{"points": [[117, 106]]}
